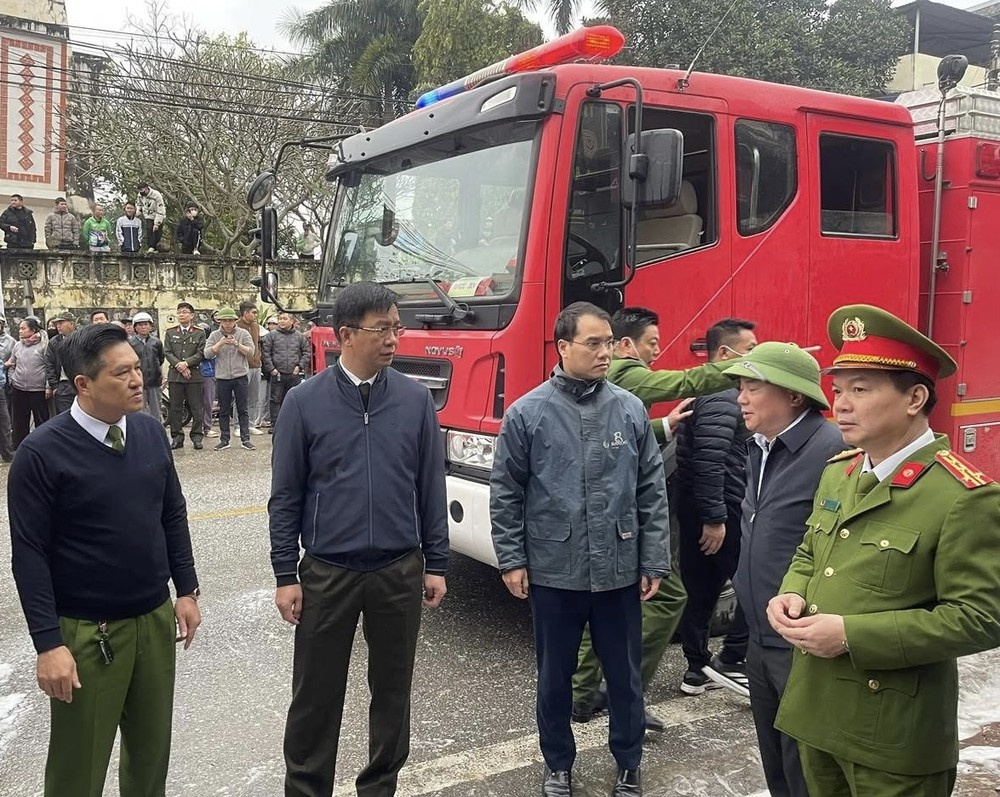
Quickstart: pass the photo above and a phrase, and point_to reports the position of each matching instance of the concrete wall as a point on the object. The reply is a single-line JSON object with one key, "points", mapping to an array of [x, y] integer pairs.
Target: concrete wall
{"points": [[920, 70], [40, 282]]}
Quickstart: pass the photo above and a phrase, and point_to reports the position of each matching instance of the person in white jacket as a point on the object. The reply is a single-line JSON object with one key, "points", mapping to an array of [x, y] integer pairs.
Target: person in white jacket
{"points": [[152, 211]]}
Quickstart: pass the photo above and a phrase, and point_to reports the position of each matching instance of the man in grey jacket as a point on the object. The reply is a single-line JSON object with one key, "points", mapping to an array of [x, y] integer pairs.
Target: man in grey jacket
{"points": [[579, 510], [781, 401], [231, 348]]}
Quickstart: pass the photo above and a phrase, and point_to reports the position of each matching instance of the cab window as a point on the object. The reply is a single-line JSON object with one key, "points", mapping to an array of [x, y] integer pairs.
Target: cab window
{"points": [[693, 220], [766, 174], [857, 187]]}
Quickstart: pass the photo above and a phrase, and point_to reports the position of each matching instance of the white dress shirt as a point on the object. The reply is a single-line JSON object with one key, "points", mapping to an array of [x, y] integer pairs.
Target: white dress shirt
{"points": [[765, 446], [888, 465], [95, 428], [357, 380]]}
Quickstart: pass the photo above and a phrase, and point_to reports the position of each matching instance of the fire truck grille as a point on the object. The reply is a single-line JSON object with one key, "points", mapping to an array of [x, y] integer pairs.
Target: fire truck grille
{"points": [[435, 374]]}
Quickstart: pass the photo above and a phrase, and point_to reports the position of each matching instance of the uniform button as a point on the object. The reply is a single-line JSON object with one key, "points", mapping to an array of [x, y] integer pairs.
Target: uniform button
{"points": [[813, 608], [883, 544], [874, 685], [845, 533], [828, 572]]}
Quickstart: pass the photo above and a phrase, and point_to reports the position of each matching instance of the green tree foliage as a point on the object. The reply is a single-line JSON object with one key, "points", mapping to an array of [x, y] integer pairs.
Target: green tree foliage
{"points": [[461, 36], [364, 46], [849, 46]]}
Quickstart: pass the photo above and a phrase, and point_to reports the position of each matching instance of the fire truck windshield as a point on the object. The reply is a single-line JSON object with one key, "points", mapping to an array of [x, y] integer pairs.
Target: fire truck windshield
{"points": [[451, 210]]}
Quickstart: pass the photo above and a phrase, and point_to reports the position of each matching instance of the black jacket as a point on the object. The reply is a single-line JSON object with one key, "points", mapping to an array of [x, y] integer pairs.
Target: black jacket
{"points": [[189, 234], [24, 220], [339, 494], [55, 377], [151, 356], [711, 459], [774, 522]]}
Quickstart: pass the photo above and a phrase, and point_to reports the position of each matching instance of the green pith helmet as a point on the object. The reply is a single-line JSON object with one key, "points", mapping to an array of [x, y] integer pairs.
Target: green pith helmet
{"points": [[784, 365], [870, 337], [226, 314]]}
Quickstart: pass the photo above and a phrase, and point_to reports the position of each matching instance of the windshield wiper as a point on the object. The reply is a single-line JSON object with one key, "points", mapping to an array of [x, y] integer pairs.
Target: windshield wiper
{"points": [[454, 310]]}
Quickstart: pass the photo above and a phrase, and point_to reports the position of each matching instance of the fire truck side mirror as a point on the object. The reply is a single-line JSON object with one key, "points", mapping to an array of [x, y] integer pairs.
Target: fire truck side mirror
{"points": [[663, 153]]}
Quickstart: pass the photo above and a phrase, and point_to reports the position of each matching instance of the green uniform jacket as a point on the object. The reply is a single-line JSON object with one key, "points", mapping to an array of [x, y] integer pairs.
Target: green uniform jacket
{"points": [[188, 346], [652, 387], [914, 569]]}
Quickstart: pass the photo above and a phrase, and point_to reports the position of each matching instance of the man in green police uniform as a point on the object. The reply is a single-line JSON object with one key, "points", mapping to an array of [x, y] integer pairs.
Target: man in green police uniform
{"points": [[896, 577], [637, 345]]}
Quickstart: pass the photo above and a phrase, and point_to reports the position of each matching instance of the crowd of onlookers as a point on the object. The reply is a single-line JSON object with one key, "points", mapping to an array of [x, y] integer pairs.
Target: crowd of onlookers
{"points": [[138, 229], [211, 370]]}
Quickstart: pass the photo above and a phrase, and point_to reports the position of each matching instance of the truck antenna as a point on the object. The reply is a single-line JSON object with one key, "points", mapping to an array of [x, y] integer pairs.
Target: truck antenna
{"points": [[684, 82]]}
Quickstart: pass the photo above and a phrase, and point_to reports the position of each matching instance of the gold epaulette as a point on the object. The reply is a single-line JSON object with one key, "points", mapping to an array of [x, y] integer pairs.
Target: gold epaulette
{"points": [[965, 472], [850, 452]]}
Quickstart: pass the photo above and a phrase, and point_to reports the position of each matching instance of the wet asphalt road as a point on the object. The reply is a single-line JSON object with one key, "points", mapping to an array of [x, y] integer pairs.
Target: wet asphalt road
{"points": [[473, 703]]}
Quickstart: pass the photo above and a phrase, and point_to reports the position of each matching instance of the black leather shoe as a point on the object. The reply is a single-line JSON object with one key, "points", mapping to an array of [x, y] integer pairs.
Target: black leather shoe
{"points": [[627, 784], [654, 723], [558, 783], [177, 444], [198, 446], [586, 710]]}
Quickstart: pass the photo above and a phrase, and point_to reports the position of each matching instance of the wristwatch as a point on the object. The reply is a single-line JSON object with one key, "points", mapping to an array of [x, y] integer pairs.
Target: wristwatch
{"points": [[192, 595]]}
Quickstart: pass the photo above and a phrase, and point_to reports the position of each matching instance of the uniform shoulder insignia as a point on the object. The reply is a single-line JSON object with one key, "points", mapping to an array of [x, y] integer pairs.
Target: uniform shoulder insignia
{"points": [[908, 474], [847, 454], [856, 455], [970, 476]]}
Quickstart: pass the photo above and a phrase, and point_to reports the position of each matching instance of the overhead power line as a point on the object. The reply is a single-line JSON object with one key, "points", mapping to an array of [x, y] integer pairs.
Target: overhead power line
{"points": [[206, 39]]}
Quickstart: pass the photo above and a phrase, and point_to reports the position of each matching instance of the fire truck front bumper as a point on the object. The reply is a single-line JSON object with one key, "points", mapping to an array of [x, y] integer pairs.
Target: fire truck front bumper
{"points": [[469, 519]]}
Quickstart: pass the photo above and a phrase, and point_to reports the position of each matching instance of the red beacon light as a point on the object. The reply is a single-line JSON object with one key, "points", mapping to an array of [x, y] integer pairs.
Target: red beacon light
{"points": [[584, 44]]}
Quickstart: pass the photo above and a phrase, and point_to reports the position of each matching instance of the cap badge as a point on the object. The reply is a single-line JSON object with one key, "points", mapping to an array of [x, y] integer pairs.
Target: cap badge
{"points": [[854, 329]]}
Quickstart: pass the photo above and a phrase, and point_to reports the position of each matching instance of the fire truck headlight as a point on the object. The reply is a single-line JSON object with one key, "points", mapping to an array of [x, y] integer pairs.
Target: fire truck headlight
{"points": [[472, 450]]}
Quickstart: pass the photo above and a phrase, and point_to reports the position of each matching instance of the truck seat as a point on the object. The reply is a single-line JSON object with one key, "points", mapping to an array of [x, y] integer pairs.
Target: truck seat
{"points": [[672, 228]]}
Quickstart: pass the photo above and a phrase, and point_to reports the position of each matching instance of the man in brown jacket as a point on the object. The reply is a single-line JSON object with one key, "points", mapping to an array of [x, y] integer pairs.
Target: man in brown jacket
{"points": [[248, 321]]}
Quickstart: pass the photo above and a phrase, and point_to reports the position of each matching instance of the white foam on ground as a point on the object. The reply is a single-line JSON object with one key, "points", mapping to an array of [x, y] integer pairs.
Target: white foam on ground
{"points": [[980, 759], [979, 696], [11, 707]]}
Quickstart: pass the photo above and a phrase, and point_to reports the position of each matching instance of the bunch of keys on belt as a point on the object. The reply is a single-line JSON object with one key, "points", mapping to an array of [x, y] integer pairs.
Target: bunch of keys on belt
{"points": [[104, 643]]}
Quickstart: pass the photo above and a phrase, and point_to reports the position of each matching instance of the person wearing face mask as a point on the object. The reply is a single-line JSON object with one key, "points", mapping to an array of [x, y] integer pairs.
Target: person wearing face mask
{"points": [[27, 378], [637, 346], [189, 231], [711, 459]]}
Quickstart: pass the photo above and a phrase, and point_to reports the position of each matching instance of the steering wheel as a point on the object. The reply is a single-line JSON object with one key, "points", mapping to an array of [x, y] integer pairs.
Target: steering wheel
{"points": [[590, 253]]}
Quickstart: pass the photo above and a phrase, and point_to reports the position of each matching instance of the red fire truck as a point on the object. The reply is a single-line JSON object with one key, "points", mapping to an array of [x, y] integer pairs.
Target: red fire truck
{"points": [[509, 194]]}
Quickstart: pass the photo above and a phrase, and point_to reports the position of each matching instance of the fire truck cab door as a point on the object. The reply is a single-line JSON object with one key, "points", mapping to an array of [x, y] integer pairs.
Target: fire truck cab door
{"points": [[862, 238]]}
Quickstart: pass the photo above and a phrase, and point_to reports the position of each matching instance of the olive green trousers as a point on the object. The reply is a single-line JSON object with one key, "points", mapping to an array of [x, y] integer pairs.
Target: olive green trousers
{"points": [[831, 776], [660, 616], [135, 693]]}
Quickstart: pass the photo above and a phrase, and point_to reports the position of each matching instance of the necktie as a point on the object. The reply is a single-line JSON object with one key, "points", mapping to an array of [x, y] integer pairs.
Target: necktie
{"points": [[365, 388], [866, 481], [115, 438]]}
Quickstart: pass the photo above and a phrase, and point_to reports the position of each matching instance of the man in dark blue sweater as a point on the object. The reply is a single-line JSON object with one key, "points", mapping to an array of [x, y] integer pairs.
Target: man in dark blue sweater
{"points": [[98, 526], [358, 480]]}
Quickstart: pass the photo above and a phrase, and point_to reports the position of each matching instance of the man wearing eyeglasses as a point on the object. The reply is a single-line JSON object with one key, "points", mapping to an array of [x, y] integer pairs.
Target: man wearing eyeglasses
{"points": [[285, 357], [637, 347], [358, 481], [579, 511]]}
